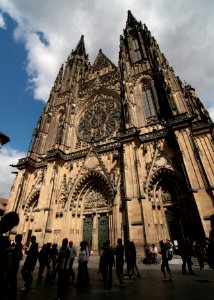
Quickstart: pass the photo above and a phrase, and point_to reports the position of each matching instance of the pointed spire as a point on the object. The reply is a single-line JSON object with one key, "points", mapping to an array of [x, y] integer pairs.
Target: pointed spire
{"points": [[131, 21], [80, 48]]}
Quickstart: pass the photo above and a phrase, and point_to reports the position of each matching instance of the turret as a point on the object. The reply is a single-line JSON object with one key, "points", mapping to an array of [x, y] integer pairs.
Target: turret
{"points": [[150, 82]]}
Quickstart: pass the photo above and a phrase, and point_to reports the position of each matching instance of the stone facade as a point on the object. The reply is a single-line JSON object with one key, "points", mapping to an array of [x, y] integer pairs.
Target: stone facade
{"points": [[121, 151]]}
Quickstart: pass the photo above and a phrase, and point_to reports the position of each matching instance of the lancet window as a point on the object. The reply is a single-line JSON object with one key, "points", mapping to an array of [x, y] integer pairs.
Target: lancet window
{"points": [[137, 52], [148, 100]]}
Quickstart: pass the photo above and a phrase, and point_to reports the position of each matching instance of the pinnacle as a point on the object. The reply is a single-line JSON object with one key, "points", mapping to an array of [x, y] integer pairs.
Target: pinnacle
{"points": [[131, 21], [80, 48]]}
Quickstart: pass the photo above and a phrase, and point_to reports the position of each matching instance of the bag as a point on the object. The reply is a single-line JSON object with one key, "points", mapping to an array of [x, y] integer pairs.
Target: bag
{"points": [[169, 254]]}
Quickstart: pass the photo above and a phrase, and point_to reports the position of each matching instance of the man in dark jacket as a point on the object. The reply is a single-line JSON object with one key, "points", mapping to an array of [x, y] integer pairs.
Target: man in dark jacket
{"points": [[119, 252], [108, 262], [30, 263]]}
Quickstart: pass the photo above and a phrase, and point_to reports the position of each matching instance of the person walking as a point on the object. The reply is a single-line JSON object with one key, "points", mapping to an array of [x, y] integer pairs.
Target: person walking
{"points": [[15, 258], [43, 260], [52, 265], [108, 262], [7, 222], [165, 265], [186, 252], [73, 253], [119, 253], [82, 275], [63, 261], [29, 264], [198, 253]]}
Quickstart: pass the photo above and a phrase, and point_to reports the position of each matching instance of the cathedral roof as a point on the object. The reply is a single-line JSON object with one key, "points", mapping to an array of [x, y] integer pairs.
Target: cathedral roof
{"points": [[101, 62]]}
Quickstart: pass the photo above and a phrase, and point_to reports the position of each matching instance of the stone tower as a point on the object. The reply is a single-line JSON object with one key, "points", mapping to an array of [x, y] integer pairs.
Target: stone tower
{"points": [[121, 151]]}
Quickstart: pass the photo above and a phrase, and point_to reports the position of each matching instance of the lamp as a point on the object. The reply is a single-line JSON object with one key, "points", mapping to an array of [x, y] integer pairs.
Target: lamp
{"points": [[3, 139]]}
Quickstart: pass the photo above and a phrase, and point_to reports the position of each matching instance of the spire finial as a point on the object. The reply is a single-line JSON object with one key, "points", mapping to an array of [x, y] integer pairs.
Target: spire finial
{"points": [[80, 48], [131, 21]]}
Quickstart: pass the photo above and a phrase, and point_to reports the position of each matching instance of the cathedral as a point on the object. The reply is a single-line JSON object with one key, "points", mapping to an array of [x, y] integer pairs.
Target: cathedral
{"points": [[119, 152]]}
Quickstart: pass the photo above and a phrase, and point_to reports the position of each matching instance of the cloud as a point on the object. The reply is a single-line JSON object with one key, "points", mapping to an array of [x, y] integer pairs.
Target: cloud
{"points": [[50, 29], [2, 22], [8, 156]]}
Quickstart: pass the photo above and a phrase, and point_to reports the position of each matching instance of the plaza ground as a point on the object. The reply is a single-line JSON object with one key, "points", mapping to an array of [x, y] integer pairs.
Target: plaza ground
{"points": [[148, 286]]}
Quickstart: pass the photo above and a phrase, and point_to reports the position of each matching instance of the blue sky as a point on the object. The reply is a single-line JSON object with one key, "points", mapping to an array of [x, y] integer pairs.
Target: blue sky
{"points": [[37, 36], [19, 111]]}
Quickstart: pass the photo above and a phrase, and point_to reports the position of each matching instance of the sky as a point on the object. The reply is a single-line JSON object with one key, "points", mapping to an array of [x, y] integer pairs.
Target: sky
{"points": [[37, 36]]}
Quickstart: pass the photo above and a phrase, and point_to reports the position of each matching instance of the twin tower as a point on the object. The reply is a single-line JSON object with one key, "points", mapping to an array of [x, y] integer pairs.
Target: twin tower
{"points": [[119, 152]]}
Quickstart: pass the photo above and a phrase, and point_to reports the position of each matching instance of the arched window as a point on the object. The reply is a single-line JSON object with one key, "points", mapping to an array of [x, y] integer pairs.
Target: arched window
{"points": [[148, 101], [137, 52]]}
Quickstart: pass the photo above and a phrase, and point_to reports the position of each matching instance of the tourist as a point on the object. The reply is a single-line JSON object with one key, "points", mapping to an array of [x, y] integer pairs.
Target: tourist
{"points": [[82, 276], [165, 265], [63, 261], [198, 253], [119, 252], [16, 257], [73, 253], [153, 254], [43, 260], [7, 222], [29, 264], [186, 251], [108, 262]]}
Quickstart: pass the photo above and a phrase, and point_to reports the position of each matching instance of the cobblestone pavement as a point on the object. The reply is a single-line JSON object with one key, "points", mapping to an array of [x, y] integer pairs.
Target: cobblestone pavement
{"points": [[148, 286]]}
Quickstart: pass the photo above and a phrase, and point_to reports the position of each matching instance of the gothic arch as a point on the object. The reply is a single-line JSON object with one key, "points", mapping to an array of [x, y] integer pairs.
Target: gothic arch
{"points": [[32, 200], [91, 180], [167, 181]]}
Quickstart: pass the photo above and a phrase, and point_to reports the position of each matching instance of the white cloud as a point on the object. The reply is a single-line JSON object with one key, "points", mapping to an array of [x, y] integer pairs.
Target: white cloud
{"points": [[2, 22], [8, 156], [50, 29]]}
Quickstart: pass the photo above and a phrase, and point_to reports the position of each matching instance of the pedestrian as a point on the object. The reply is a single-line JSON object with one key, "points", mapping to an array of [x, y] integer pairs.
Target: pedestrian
{"points": [[43, 260], [29, 264], [127, 257], [15, 256], [210, 250], [147, 259], [165, 264], [132, 260], [108, 262], [186, 251], [63, 261], [153, 253], [7, 222], [119, 253], [82, 275], [73, 253], [198, 253], [52, 265], [100, 270]]}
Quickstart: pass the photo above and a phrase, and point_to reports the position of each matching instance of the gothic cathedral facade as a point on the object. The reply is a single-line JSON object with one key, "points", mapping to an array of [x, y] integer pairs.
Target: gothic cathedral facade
{"points": [[121, 151]]}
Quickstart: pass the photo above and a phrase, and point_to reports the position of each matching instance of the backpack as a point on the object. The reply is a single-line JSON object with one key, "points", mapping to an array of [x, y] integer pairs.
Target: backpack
{"points": [[169, 254]]}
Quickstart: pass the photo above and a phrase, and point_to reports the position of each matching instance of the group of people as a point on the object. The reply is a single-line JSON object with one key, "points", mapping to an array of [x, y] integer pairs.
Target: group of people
{"points": [[186, 249], [117, 256], [59, 262]]}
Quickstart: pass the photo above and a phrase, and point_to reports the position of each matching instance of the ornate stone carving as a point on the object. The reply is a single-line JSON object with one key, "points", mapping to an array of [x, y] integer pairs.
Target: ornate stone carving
{"points": [[95, 199], [99, 121]]}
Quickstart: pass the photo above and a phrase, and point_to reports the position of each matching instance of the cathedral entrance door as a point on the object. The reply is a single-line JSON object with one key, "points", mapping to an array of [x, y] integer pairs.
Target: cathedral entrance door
{"points": [[103, 230], [87, 230], [174, 224]]}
